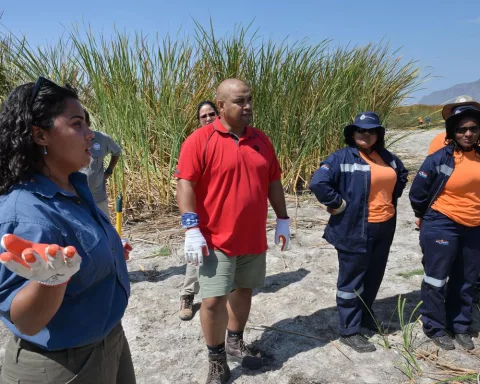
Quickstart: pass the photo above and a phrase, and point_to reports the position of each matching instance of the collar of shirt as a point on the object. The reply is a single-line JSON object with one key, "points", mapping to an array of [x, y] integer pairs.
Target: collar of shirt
{"points": [[219, 127], [45, 187]]}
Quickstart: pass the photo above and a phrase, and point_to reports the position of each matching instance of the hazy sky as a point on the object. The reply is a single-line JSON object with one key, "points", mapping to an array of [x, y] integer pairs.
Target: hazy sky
{"points": [[442, 36]]}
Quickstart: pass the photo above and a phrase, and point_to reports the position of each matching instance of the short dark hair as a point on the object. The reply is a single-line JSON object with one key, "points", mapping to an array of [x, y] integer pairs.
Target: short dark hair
{"points": [[206, 102], [379, 144], [19, 154]]}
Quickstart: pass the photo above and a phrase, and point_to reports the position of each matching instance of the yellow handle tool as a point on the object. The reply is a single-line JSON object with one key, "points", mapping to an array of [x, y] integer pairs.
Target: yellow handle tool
{"points": [[118, 210]]}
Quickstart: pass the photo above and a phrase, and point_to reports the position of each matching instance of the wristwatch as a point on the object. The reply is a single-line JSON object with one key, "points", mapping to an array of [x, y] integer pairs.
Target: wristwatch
{"points": [[108, 171]]}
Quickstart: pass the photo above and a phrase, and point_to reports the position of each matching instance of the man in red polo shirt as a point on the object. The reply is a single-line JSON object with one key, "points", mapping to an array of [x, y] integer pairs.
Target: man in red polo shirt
{"points": [[227, 172]]}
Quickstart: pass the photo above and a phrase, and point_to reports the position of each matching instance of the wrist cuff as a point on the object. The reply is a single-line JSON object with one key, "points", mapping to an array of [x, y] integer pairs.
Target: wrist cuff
{"points": [[189, 220]]}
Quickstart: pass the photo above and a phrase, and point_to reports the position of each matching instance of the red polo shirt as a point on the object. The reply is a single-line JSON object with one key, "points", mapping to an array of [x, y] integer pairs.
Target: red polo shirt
{"points": [[232, 177]]}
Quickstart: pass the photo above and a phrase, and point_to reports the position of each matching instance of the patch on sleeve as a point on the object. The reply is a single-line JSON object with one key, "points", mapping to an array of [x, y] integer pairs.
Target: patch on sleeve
{"points": [[422, 174], [325, 166]]}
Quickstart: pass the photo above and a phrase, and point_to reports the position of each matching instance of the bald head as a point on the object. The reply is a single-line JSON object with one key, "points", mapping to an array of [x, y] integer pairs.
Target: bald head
{"points": [[229, 86], [234, 101]]}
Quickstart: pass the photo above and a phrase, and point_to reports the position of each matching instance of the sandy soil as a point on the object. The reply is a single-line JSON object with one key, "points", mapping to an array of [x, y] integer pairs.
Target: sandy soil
{"points": [[297, 304]]}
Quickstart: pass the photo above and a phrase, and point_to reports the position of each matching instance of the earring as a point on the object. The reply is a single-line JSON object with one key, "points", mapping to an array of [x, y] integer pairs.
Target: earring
{"points": [[45, 150]]}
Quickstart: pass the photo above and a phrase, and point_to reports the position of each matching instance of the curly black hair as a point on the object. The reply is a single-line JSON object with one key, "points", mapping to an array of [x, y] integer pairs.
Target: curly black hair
{"points": [[20, 156], [206, 102]]}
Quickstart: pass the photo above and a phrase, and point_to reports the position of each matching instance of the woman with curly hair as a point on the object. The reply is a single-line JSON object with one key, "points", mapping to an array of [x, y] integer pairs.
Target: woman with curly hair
{"points": [[63, 308], [445, 196]]}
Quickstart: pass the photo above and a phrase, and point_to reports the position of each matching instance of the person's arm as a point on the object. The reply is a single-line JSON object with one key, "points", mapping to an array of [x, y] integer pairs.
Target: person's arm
{"points": [[276, 196], [115, 150], [111, 166], [324, 184], [28, 304], [402, 176], [186, 196], [35, 305], [420, 190]]}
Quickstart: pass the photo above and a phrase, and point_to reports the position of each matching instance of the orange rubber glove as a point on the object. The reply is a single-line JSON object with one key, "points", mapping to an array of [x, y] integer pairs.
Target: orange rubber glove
{"points": [[48, 264]]}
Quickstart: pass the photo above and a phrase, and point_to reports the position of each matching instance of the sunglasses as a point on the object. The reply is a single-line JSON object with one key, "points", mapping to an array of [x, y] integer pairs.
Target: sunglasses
{"points": [[366, 131], [41, 81], [463, 130], [211, 114]]}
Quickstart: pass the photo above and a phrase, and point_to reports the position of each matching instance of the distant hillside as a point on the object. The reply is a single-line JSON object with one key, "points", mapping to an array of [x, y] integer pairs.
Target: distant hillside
{"points": [[448, 95]]}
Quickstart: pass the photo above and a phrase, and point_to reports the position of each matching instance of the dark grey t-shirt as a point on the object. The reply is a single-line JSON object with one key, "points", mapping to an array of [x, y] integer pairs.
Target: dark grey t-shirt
{"points": [[102, 145]]}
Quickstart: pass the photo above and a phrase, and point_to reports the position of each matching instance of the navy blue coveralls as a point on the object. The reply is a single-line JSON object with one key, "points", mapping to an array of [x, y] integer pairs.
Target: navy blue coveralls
{"points": [[362, 247], [450, 251]]}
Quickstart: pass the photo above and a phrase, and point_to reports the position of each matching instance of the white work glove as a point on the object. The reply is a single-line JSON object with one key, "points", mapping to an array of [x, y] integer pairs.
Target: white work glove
{"points": [[127, 248], [48, 264], [339, 209], [282, 233], [195, 247]]}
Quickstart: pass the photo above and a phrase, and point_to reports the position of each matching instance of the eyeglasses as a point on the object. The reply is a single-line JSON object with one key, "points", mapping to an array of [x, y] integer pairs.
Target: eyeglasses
{"points": [[463, 130], [41, 81], [211, 114], [366, 131]]}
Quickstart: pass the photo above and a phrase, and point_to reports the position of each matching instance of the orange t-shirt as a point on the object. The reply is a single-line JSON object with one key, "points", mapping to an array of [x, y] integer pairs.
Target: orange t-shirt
{"points": [[438, 142], [382, 183], [460, 199]]}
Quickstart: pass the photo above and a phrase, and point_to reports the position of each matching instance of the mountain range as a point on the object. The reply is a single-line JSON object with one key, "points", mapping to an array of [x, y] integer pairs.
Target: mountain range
{"points": [[448, 95]]}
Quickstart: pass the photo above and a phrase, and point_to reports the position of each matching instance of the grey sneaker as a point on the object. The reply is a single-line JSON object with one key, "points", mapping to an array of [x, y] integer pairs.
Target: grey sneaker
{"points": [[186, 307], [218, 370], [249, 356]]}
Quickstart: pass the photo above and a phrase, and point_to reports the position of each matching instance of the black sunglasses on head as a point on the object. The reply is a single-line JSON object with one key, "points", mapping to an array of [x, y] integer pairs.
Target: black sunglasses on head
{"points": [[211, 114], [463, 130], [41, 81]]}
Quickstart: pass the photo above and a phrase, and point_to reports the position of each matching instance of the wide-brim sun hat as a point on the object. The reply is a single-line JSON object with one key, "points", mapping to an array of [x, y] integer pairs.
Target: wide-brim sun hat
{"points": [[461, 101]]}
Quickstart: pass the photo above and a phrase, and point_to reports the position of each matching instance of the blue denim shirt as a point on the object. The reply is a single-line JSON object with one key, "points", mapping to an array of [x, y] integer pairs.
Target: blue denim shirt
{"points": [[97, 295]]}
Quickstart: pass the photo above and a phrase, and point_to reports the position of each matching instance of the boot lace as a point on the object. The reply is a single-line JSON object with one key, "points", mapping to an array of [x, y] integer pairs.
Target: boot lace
{"points": [[187, 302], [216, 369]]}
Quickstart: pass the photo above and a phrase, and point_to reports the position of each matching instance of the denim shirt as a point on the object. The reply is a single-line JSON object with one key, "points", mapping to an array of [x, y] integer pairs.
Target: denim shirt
{"points": [[97, 295]]}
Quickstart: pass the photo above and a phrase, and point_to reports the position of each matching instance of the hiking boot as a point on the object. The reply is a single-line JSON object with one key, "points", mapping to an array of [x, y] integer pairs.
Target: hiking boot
{"points": [[218, 370], [358, 343], [444, 342], [186, 307], [465, 340], [240, 350]]}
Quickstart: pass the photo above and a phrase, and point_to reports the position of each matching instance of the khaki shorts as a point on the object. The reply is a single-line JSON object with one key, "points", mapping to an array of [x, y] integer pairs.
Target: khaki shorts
{"points": [[219, 275]]}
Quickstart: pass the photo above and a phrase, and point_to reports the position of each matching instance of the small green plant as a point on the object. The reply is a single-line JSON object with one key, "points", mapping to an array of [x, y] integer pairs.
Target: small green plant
{"points": [[385, 343], [415, 272], [465, 379], [409, 365], [164, 251]]}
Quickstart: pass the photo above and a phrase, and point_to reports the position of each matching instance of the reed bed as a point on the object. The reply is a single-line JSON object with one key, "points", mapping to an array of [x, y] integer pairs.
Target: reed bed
{"points": [[143, 91]]}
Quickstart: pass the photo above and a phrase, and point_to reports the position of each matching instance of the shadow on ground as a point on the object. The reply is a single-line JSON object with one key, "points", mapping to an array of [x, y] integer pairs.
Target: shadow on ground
{"points": [[317, 330], [154, 276], [281, 280]]}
